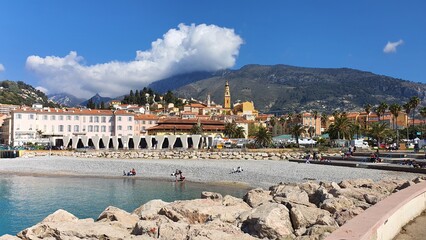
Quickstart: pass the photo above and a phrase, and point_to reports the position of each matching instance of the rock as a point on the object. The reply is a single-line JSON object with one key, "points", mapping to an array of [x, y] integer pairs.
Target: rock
{"points": [[371, 199], [60, 216], [418, 180], [9, 237], [305, 217], [337, 204], [211, 195], [343, 216], [291, 193], [217, 230], [150, 209], [405, 185], [118, 216], [356, 183], [269, 220], [320, 232], [56, 227], [202, 210], [257, 196]]}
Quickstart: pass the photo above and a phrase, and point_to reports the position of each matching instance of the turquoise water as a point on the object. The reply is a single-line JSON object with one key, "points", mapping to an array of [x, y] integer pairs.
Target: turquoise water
{"points": [[26, 200]]}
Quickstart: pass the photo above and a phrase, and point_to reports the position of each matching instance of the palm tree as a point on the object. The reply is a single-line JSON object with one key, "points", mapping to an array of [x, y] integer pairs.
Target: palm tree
{"points": [[379, 131], [423, 113], [324, 119], [340, 128], [315, 114], [232, 130], [381, 110], [297, 130], [263, 137], [414, 102], [282, 120], [395, 109], [239, 132], [367, 108], [407, 108]]}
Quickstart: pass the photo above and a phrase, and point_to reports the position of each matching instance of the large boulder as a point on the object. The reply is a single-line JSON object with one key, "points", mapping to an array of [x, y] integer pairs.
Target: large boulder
{"points": [[343, 216], [305, 217], [150, 209], [337, 204], [291, 193], [203, 210], [217, 230], [269, 220], [119, 217], [9, 237], [62, 225], [257, 196]]}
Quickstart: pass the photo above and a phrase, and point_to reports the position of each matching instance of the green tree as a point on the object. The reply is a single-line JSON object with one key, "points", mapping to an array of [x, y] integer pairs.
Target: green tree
{"points": [[232, 130], [315, 114], [414, 102], [341, 128], [395, 109], [423, 113], [263, 137], [381, 110], [297, 130], [196, 129], [379, 131]]}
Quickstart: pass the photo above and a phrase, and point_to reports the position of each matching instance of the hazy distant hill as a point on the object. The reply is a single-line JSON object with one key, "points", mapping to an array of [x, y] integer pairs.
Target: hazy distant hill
{"points": [[20, 93], [287, 88], [65, 99], [174, 82], [97, 99]]}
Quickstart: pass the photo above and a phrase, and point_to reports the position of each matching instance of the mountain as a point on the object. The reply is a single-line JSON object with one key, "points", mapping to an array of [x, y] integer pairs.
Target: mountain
{"points": [[97, 99], [177, 81], [283, 88], [19, 93], [65, 99]]}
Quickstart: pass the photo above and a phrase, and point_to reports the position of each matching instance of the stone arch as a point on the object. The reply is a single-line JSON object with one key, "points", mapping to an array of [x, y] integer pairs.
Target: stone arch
{"points": [[143, 144], [111, 144], [178, 143], [131, 144], [80, 143], [120, 143], [101, 143], [90, 143], [165, 144]]}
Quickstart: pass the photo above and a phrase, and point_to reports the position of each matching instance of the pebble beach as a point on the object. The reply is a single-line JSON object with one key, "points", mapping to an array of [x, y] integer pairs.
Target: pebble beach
{"points": [[256, 173]]}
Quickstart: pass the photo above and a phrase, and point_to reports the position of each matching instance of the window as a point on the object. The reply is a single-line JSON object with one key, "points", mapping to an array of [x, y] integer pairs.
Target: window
{"points": [[90, 119], [103, 119], [52, 117], [31, 116], [44, 117], [18, 116], [149, 122], [68, 118], [69, 128], [119, 127], [96, 119], [61, 118], [130, 119], [119, 118], [90, 128], [143, 122], [61, 128], [96, 129], [76, 128], [129, 128], [103, 128], [76, 117]]}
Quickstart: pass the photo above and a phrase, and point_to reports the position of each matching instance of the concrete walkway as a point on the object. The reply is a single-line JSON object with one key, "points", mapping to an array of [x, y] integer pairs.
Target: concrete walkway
{"points": [[415, 230]]}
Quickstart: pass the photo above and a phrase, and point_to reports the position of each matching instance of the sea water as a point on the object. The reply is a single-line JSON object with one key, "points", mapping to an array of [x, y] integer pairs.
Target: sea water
{"points": [[27, 200]]}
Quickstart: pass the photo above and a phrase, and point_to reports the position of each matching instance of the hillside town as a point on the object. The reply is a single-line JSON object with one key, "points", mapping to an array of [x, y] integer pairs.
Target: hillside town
{"points": [[133, 126]]}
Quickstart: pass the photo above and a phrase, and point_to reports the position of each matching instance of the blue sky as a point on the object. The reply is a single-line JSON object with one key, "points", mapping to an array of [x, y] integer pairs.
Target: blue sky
{"points": [[84, 47]]}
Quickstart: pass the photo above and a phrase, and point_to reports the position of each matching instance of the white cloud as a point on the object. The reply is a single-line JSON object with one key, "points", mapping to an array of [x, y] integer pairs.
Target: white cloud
{"points": [[391, 46], [2, 69], [185, 49], [42, 89]]}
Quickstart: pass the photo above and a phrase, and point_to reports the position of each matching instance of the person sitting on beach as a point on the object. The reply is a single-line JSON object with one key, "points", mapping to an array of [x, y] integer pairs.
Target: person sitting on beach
{"points": [[133, 172]]}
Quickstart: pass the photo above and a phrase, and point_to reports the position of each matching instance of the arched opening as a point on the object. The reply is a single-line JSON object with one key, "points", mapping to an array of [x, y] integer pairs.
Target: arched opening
{"points": [[154, 143], [110, 144], [69, 146], [59, 142], [143, 144], [90, 143], [190, 142], [80, 144], [120, 144], [178, 143], [131, 144], [101, 144], [165, 144]]}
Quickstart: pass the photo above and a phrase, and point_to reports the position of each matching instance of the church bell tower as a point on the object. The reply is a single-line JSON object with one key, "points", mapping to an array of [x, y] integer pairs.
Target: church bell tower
{"points": [[227, 100]]}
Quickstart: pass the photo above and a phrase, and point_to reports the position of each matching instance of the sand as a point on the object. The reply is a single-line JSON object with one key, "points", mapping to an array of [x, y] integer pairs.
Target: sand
{"points": [[256, 173]]}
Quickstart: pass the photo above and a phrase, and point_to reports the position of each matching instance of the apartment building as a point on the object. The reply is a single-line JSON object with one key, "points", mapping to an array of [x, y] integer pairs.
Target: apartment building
{"points": [[36, 124]]}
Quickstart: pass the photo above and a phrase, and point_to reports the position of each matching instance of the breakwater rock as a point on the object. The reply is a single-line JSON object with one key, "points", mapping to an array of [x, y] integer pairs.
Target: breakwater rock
{"points": [[309, 210], [176, 154]]}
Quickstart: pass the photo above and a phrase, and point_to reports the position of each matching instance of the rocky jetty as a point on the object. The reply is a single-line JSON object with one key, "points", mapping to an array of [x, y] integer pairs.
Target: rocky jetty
{"points": [[177, 154], [308, 210]]}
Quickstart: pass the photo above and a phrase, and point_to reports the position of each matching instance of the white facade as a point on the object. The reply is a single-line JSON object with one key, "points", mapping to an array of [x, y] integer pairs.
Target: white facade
{"points": [[32, 125]]}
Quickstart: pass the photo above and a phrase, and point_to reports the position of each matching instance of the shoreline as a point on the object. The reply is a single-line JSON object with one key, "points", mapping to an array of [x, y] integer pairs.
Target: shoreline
{"points": [[256, 173]]}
